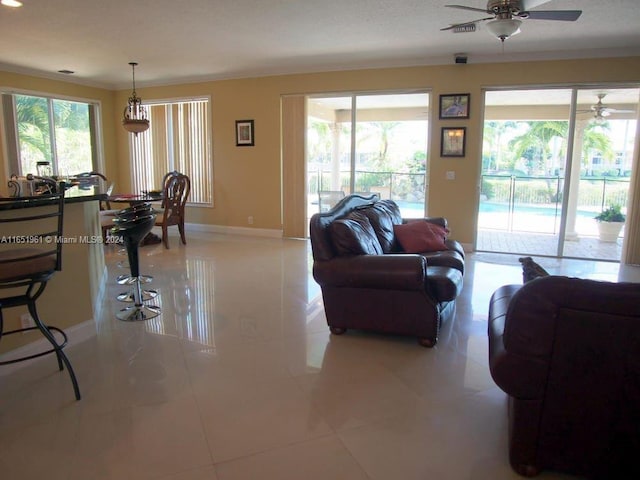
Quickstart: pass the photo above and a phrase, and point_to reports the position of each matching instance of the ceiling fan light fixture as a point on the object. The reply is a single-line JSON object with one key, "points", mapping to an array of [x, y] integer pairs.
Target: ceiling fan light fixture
{"points": [[135, 116], [11, 3], [504, 28]]}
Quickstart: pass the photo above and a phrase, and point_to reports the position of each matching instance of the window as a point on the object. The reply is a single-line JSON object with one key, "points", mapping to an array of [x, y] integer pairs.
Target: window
{"points": [[47, 129], [368, 143], [178, 139]]}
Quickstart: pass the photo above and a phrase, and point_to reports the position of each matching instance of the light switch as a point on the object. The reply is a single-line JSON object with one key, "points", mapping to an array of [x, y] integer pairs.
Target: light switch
{"points": [[451, 175]]}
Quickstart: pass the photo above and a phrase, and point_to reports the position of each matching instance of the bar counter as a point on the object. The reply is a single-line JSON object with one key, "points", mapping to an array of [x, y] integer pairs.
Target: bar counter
{"points": [[71, 297]]}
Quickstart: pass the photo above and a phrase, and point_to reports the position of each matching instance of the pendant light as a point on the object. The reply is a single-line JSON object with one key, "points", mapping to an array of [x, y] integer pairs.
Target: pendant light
{"points": [[135, 117]]}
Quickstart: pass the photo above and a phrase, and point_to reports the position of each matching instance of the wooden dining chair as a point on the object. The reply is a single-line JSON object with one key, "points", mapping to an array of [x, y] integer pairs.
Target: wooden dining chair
{"points": [[177, 187], [97, 179]]}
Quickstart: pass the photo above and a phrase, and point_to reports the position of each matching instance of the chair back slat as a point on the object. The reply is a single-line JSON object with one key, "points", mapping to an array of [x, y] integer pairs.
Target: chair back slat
{"points": [[176, 192], [31, 228]]}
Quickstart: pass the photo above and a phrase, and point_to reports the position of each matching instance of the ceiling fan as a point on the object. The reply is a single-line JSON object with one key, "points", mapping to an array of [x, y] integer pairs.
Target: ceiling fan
{"points": [[600, 111], [507, 15]]}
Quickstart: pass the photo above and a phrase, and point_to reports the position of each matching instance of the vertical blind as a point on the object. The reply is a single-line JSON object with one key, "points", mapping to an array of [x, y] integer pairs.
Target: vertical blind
{"points": [[178, 139]]}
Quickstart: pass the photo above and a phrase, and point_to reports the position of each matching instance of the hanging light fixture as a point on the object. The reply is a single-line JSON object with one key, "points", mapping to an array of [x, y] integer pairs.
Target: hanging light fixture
{"points": [[504, 28], [135, 116]]}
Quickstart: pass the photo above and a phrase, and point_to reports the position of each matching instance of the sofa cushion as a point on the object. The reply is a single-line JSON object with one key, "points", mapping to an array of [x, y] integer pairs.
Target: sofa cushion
{"points": [[354, 235], [383, 215], [421, 236]]}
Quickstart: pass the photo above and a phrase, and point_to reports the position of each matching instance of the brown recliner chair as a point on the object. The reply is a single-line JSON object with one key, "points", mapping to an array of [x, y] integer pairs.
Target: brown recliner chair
{"points": [[567, 352]]}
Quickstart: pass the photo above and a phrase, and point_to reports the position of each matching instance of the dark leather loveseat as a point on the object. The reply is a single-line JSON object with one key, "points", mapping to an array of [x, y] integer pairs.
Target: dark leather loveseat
{"points": [[567, 353], [370, 282]]}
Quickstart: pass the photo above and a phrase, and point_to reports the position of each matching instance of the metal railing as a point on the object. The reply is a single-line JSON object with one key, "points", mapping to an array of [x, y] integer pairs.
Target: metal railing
{"points": [[394, 185], [518, 203]]}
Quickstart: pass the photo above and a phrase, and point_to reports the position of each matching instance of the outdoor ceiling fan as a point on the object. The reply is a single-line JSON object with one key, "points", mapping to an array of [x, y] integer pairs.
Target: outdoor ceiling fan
{"points": [[507, 15], [600, 111]]}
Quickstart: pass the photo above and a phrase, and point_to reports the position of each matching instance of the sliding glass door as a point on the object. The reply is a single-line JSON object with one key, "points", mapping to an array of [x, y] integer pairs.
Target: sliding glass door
{"points": [[367, 144], [552, 160]]}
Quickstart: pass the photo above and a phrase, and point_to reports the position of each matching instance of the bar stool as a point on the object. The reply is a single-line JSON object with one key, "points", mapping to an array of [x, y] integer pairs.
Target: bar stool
{"points": [[124, 218], [28, 260], [127, 214], [132, 232]]}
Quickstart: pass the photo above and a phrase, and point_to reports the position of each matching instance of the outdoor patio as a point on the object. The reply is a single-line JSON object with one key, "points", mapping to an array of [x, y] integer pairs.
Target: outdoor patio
{"points": [[546, 245]]}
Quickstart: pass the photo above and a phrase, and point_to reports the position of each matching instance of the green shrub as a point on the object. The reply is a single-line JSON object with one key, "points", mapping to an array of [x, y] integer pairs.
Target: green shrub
{"points": [[611, 214]]}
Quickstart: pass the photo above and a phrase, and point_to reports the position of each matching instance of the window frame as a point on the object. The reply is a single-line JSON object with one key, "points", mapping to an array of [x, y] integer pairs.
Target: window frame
{"points": [[9, 128]]}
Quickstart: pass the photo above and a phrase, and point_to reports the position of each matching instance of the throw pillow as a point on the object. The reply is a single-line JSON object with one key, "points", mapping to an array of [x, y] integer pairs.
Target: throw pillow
{"points": [[421, 236], [531, 270]]}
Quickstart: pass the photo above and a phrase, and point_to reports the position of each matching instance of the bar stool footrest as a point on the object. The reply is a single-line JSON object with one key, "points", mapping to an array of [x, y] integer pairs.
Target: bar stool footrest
{"points": [[128, 297], [138, 313]]}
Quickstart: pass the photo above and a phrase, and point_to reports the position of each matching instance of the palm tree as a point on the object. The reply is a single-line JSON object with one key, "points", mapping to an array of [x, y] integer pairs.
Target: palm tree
{"points": [[597, 140], [537, 142], [492, 133], [32, 119]]}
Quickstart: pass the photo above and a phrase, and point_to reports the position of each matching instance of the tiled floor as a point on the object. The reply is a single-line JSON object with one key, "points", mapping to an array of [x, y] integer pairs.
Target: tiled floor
{"points": [[239, 379]]}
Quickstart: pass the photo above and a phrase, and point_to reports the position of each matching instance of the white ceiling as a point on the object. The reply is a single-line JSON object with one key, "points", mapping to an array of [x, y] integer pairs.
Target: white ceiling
{"points": [[178, 41]]}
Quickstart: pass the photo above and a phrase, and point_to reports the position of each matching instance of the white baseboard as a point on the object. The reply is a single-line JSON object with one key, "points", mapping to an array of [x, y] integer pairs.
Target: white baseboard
{"points": [[247, 231], [76, 334]]}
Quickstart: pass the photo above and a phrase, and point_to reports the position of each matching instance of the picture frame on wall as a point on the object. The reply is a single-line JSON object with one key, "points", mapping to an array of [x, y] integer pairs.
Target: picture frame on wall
{"points": [[453, 141], [454, 105], [245, 136]]}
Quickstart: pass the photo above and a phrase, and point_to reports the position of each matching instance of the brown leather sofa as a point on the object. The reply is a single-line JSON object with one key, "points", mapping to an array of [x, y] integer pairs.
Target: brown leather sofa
{"points": [[567, 353], [369, 283]]}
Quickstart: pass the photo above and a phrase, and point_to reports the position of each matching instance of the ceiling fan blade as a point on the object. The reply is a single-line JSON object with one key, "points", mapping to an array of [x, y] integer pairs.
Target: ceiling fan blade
{"points": [[463, 7], [615, 110], [450, 27], [563, 15]]}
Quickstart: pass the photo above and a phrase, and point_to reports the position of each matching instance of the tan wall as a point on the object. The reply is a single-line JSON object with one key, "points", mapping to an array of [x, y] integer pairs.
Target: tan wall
{"points": [[248, 179]]}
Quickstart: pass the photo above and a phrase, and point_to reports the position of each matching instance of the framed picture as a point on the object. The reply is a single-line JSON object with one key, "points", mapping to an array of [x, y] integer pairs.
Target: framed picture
{"points": [[452, 141], [455, 105], [244, 133]]}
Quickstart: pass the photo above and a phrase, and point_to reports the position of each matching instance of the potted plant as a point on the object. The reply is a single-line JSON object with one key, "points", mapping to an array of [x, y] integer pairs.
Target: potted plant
{"points": [[610, 222]]}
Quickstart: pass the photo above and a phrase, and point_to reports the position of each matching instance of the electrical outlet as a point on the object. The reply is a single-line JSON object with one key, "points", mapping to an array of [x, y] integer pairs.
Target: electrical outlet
{"points": [[250, 219], [27, 321]]}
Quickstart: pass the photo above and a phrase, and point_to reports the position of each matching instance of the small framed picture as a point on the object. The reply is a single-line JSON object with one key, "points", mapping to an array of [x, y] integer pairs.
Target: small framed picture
{"points": [[452, 141], [455, 105], [245, 136]]}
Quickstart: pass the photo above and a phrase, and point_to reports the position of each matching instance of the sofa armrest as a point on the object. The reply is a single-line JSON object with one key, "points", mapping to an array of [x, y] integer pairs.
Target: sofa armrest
{"points": [[390, 271], [454, 245], [518, 375]]}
